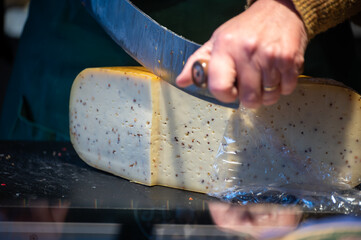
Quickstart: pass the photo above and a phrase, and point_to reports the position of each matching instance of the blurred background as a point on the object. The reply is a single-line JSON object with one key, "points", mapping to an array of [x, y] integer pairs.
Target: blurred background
{"points": [[13, 14]]}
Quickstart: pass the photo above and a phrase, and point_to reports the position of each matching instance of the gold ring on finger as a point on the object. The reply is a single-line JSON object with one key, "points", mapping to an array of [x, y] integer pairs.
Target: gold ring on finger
{"points": [[270, 89]]}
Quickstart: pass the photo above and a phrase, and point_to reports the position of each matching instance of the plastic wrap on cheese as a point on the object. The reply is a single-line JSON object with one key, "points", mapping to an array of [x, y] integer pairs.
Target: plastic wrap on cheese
{"points": [[305, 149]]}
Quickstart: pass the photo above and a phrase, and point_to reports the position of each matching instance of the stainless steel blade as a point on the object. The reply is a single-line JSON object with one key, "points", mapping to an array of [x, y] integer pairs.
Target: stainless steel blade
{"points": [[152, 45]]}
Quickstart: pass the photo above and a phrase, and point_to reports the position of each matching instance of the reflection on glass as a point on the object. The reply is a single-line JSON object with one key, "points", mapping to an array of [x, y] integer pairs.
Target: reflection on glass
{"points": [[41, 220], [44, 220], [258, 220], [272, 221]]}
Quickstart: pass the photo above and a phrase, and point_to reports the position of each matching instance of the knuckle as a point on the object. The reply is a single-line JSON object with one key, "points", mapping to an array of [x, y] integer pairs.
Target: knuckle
{"points": [[292, 59], [249, 45], [299, 61], [287, 58], [224, 39], [269, 52]]}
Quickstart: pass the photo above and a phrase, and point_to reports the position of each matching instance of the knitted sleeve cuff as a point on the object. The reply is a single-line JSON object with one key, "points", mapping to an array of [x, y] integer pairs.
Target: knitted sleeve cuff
{"points": [[320, 15]]}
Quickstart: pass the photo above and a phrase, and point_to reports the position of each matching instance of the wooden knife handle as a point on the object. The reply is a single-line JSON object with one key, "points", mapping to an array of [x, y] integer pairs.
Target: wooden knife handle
{"points": [[200, 73]]}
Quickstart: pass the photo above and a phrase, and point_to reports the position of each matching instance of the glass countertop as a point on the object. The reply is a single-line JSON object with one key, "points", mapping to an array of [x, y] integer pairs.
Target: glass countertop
{"points": [[48, 192]]}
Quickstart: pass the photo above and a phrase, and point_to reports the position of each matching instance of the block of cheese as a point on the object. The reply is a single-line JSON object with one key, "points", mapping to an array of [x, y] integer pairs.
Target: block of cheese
{"points": [[128, 122]]}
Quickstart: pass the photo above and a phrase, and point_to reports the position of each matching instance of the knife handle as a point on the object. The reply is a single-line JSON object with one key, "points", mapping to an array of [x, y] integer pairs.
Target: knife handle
{"points": [[200, 73]]}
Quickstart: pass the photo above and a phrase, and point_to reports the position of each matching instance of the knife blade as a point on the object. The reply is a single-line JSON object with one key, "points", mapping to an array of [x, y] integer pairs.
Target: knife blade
{"points": [[155, 47]]}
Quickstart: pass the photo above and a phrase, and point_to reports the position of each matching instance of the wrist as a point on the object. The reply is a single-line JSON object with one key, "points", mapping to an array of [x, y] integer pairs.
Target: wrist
{"points": [[287, 3], [290, 5], [281, 4]]}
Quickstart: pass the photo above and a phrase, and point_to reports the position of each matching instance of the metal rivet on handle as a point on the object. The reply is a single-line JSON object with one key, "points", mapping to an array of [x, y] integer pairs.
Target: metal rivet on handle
{"points": [[200, 73]]}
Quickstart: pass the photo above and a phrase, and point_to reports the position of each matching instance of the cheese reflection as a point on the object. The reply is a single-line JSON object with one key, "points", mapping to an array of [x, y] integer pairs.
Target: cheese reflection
{"points": [[261, 221]]}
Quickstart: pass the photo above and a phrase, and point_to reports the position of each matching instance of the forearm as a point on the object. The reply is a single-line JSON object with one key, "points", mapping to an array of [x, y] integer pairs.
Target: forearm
{"points": [[320, 15]]}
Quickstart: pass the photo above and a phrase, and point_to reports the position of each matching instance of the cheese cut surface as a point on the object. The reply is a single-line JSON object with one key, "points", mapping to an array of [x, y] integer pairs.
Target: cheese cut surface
{"points": [[128, 122]]}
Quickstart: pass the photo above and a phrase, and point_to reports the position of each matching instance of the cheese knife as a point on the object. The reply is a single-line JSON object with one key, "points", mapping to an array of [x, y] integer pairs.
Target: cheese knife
{"points": [[155, 47]]}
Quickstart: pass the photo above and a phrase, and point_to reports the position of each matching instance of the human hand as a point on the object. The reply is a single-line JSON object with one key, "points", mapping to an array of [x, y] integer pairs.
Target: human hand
{"points": [[262, 48]]}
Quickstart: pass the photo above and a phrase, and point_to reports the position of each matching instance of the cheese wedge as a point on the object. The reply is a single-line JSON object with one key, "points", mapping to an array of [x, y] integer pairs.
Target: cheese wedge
{"points": [[128, 122]]}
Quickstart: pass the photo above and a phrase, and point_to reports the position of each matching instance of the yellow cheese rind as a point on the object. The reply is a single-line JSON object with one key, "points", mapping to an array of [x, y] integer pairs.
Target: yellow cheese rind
{"points": [[128, 122]]}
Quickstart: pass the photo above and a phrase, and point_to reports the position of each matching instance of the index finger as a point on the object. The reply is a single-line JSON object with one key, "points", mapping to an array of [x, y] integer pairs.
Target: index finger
{"points": [[184, 79]]}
